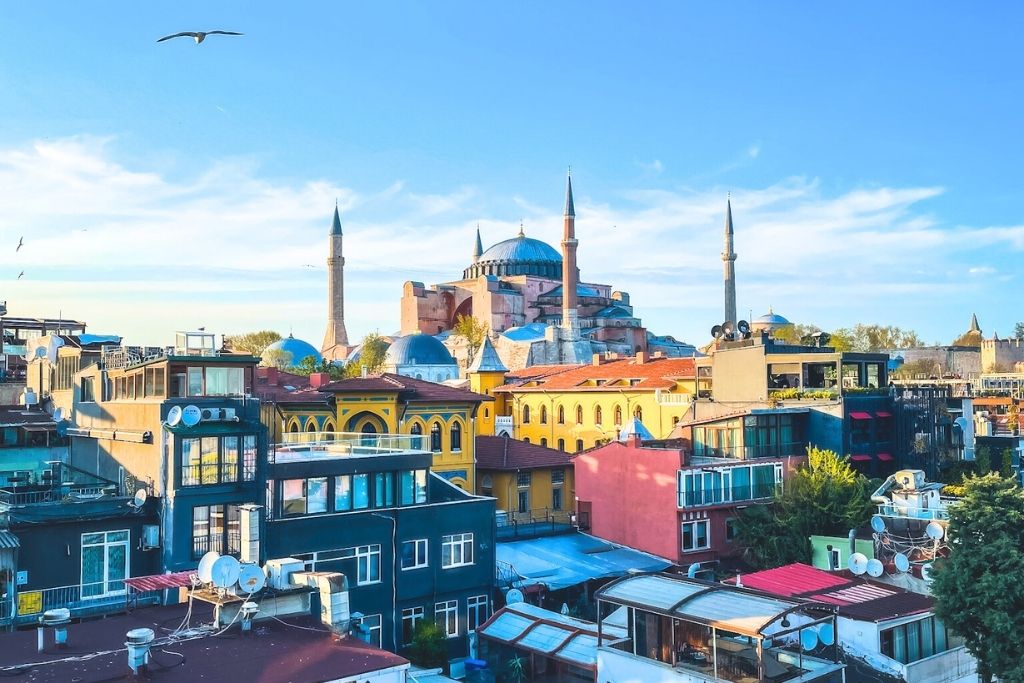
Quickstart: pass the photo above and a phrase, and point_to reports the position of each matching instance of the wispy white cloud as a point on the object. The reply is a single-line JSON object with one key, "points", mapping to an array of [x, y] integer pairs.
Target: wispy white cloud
{"points": [[652, 166]]}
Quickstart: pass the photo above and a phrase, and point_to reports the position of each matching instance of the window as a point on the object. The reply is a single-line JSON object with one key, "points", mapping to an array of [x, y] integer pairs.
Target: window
{"points": [[524, 501], [639, 413], [543, 415], [104, 563], [417, 430], [730, 530], [216, 527], [435, 437], [412, 487], [579, 445], [456, 437], [526, 415], [229, 458], [695, 536], [835, 558], [88, 393], [544, 441], [561, 444], [727, 484], [368, 561], [556, 498], [579, 415], [195, 381], [558, 475], [249, 457], [414, 554], [618, 415], [304, 496], [342, 493], [476, 612], [224, 381], [360, 491], [446, 614], [383, 490], [523, 479], [410, 617], [917, 640], [215, 460], [456, 550], [598, 415], [561, 415], [370, 629]]}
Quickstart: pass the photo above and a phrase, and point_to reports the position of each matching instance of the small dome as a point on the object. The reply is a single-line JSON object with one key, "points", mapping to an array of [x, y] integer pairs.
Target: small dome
{"points": [[296, 347], [418, 349], [771, 318]]}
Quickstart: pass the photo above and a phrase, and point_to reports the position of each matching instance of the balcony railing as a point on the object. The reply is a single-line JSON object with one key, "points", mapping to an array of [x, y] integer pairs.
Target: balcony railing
{"points": [[204, 544], [88, 599], [905, 512], [300, 446], [730, 495], [11, 497], [772, 450], [541, 522]]}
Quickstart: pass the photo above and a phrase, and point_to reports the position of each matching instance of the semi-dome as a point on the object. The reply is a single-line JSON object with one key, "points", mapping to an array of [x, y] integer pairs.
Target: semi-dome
{"points": [[418, 349], [520, 255], [297, 349]]}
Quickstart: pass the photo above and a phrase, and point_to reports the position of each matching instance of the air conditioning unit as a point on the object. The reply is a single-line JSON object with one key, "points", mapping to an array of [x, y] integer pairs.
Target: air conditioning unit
{"points": [[150, 536], [279, 572], [228, 414], [211, 414]]}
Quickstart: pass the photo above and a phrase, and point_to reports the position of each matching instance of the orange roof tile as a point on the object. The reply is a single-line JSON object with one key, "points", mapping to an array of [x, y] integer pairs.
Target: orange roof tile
{"points": [[655, 373]]}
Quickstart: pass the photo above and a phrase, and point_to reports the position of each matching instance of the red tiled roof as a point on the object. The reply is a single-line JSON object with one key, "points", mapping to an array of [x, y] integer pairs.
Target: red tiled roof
{"points": [[411, 389], [501, 453], [793, 579], [654, 373]]}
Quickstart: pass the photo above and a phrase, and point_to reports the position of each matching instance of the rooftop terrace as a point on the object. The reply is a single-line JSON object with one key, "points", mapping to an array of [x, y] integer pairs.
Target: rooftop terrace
{"points": [[307, 446]]}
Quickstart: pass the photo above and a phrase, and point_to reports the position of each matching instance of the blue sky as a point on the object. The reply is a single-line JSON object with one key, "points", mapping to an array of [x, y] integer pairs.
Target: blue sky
{"points": [[872, 152]]}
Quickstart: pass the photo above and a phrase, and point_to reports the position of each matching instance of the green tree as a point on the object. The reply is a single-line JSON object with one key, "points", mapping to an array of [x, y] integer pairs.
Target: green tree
{"points": [[277, 358], [982, 460], [254, 343], [429, 647], [472, 330], [308, 365], [924, 366], [372, 351], [825, 496], [1018, 330], [978, 589]]}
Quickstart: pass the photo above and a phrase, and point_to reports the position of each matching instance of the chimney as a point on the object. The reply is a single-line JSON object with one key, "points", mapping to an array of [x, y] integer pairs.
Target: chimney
{"points": [[319, 379], [596, 359], [249, 532], [269, 374], [634, 441], [641, 357], [365, 372]]}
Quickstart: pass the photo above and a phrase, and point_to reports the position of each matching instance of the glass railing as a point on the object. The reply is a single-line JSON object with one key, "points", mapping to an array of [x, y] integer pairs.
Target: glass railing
{"points": [[728, 495], [297, 446]]}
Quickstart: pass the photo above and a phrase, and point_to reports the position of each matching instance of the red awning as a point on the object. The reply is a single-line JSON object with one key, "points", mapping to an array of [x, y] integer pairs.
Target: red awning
{"points": [[883, 413], [159, 582], [856, 415], [861, 458], [885, 456]]}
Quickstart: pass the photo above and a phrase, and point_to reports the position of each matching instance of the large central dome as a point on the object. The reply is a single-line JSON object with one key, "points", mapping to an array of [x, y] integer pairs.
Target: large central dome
{"points": [[520, 255]]}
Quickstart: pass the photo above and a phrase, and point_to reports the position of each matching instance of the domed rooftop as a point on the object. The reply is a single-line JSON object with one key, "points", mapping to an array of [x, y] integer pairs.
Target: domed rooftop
{"points": [[297, 348], [418, 349], [520, 255], [771, 318]]}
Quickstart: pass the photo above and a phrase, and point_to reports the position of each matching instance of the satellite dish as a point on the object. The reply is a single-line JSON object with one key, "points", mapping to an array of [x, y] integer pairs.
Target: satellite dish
{"points": [[140, 498], [827, 634], [878, 524], [728, 327], [875, 568], [902, 563], [808, 639], [858, 563], [205, 569], [60, 414], [514, 596], [224, 571], [191, 415], [174, 416], [926, 572], [934, 531], [744, 327], [251, 578], [716, 331], [40, 352]]}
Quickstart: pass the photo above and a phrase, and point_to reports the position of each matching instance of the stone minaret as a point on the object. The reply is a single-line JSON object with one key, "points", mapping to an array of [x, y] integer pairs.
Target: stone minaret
{"points": [[336, 339], [729, 263], [570, 274], [478, 248]]}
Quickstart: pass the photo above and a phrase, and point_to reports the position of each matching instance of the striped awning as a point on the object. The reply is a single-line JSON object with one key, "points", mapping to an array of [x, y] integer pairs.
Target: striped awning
{"points": [[159, 582], [8, 540]]}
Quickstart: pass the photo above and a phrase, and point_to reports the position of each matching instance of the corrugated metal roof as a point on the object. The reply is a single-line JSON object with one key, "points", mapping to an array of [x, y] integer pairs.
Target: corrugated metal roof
{"points": [[792, 579], [581, 649], [159, 582], [8, 539], [545, 638], [735, 611], [660, 592], [863, 592]]}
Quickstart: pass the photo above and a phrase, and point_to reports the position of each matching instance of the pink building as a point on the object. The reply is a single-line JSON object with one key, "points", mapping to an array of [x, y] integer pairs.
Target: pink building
{"points": [[670, 503]]}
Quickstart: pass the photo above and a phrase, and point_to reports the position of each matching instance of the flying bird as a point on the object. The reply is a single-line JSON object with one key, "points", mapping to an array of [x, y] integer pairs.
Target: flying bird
{"points": [[20, 274], [199, 36], [21, 241]]}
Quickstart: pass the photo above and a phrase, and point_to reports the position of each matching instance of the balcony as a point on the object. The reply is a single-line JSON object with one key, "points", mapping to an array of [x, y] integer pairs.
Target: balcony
{"points": [[752, 452], [726, 496], [84, 600], [534, 523], [306, 446]]}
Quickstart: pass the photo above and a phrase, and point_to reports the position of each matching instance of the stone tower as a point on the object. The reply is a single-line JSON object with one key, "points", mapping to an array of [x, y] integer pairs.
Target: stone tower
{"points": [[729, 263], [569, 273], [336, 339]]}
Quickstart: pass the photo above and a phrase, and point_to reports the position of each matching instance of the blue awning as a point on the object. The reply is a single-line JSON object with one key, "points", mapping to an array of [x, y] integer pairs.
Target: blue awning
{"points": [[8, 540], [571, 559]]}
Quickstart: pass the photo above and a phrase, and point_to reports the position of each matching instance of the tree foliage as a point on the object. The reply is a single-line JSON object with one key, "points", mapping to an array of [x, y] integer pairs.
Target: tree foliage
{"points": [[978, 589], [824, 497], [308, 365], [928, 367], [429, 648], [277, 358], [254, 343], [472, 330], [860, 337], [372, 351], [1018, 330]]}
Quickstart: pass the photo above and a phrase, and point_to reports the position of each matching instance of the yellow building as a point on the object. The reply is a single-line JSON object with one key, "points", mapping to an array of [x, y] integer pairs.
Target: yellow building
{"points": [[486, 373], [574, 407], [382, 404], [531, 483]]}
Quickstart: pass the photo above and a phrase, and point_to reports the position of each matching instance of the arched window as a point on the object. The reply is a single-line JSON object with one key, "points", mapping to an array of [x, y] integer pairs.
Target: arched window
{"points": [[543, 415], [639, 413], [561, 415], [579, 445], [579, 415], [598, 415], [526, 439], [618, 415], [329, 431], [487, 412], [435, 437], [294, 428], [369, 431], [417, 429], [456, 437], [543, 441], [526, 415], [561, 444], [311, 427]]}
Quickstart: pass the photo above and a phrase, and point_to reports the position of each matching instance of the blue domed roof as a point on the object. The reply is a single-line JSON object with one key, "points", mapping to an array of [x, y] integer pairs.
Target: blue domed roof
{"points": [[771, 318], [521, 249], [296, 347], [418, 349]]}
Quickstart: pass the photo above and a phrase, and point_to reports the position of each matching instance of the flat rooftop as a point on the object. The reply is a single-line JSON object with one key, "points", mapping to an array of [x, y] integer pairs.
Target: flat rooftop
{"points": [[275, 651], [307, 446]]}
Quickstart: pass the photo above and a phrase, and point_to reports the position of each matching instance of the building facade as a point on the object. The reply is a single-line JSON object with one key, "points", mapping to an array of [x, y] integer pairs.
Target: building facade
{"points": [[527, 480]]}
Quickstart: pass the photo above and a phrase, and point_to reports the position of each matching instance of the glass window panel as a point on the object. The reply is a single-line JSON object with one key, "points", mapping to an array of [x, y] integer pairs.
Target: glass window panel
{"points": [[383, 489], [343, 493], [316, 495], [191, 457], [249, 457], [740, 483], [195, 381], [406, 488], [93, 569], [421, 486], [229, 468], [117, 567], [92, 539], [293, 496], [234, 529], [209, 457], [360, 491]]}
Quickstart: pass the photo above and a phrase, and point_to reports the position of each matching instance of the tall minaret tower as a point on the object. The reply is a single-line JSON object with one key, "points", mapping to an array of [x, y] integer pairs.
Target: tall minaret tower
{"points": [[570, 274], [729, 264], [478, 248], [336, 339]]}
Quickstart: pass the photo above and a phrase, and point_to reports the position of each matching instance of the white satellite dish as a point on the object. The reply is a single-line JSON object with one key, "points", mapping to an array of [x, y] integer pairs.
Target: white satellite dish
{"points": [[875, 568], [174, 416], [514, 596], [205, 569], [858, 563], [251, 578], [926, 572], [877, 524], [60, 414], [140, 498], [826, 634], [224, 572], [902, 563], [191, 415], [934, 531], [808, 639]]}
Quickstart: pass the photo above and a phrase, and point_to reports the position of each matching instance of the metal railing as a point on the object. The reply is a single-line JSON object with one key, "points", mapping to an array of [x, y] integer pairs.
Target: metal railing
{"points": [[204, 544], [13, 497], [102, 597], [533, 523], [907, 512], [772, 450], [299, 446]]}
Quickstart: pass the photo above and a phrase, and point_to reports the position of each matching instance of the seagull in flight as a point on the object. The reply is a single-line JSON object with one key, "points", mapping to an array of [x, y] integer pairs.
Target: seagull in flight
{"points": [[20, 274], [21, 241], [199, 36]]}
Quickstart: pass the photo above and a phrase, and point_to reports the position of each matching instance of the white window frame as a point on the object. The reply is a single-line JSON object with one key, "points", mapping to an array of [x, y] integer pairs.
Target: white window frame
{"points": [[107, 544], [838, 552], [414, 615], [475, 603], [372, 637], [446, 615], [693, 535], [454, 550], [421, 554], [364, 554]]}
